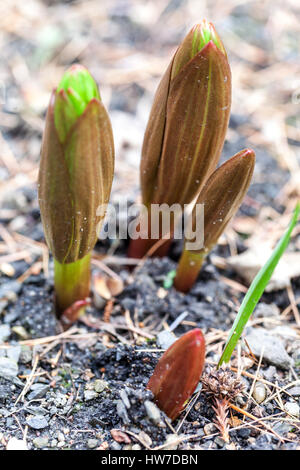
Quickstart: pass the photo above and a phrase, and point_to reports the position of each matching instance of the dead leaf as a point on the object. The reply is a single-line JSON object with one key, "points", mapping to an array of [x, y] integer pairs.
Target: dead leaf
{"points": [[72, 313], [107, 287], [251, 261], [120, 436], [234, 421]]}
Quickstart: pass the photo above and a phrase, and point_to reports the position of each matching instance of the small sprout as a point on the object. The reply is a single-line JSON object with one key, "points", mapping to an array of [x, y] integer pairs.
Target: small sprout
{"points": [[169, 280], [221, 197], [178, 372], [186, 128], [76, 171]]}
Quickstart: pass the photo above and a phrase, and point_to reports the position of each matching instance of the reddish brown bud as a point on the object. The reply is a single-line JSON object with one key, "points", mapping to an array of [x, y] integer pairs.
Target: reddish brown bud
{"points": [[178, 372], [188, 120], [187, 125]]}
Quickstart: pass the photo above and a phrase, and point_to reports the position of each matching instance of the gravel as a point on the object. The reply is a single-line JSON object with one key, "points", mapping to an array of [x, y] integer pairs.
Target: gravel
{"points": [[37, 422], [270, 347]]}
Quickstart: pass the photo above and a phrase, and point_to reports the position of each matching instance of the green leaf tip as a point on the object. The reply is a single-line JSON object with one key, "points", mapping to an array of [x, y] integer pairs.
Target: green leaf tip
{"points": [[203, 33], [75, 91], [256, 289], [200, 40], [79, 86]]}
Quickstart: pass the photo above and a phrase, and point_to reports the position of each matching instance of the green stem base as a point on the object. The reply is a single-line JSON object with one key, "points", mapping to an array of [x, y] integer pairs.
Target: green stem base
{"points": [[188, 269], [72, 282]]}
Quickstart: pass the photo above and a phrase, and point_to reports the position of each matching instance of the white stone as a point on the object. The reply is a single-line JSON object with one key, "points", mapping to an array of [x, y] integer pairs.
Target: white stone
{"points": [[292, 409]]}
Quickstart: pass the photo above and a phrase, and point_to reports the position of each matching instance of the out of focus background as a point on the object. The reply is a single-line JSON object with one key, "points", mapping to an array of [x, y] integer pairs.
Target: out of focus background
{"points": [[127, 45]]}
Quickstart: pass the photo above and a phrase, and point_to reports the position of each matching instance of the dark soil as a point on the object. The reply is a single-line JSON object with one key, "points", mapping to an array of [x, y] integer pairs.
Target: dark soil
{"points": [[73, 418]]}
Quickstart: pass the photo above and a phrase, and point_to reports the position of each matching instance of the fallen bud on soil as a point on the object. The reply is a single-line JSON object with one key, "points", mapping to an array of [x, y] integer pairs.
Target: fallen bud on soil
{"points": [[76, 171], [178, 372], [187, 124], [221, 197]]}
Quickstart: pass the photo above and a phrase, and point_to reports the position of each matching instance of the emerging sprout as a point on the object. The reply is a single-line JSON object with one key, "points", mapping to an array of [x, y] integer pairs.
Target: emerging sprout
{"points": [[187, 125], [221, 197], [76, 171], [178, 372]]}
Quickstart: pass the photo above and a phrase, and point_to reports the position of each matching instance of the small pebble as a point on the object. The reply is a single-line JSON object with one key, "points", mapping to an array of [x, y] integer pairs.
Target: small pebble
{"points": [[40, 442], [282, 427], [244, 433], [3, 305], [100, 385], [125, 398], [53, 410], [220, 442], [60, 399], [14, 352], [38, 390], [136, 447], [209, 428], [25, 354], [259, 392], [270, 346], [10, 289], [292, 408], [60, 436], [172, 442], [92, 443], [4, 412], [122, 412], [165, 339], [295, 391], [37, 422], [4, 333], [90, 395], [8, 368], [270, 373], [20, 331], [153, 412], [115, 446]]}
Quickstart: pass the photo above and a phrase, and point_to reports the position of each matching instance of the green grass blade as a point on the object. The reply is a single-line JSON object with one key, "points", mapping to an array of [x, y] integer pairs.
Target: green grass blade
{"points": [[256, 290]]}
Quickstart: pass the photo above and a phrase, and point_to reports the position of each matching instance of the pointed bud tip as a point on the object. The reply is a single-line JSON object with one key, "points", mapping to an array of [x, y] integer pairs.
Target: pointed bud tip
{"points": [[204, 33], [75, 91], [195, 336], [77, 68], [79, 85], [201, 38], [246, 154]]}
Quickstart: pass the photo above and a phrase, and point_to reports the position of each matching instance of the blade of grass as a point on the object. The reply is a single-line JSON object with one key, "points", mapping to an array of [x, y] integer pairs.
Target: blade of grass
{"points": [[256, 290]]}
